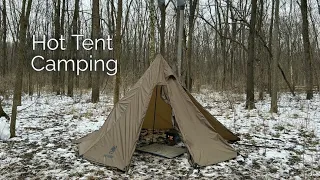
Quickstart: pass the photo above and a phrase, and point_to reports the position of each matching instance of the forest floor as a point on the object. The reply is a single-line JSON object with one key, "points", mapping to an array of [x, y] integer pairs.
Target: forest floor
{"points": [[285, 145]]}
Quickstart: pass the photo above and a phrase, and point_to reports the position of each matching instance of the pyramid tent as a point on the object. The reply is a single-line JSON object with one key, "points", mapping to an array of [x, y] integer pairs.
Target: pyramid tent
{"points": [[150, 104]]}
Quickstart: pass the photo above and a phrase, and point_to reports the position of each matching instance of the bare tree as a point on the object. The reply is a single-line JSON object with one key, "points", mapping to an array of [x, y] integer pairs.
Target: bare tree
{"points": [[62, 32], [233, 49], [270, 46], [24, 23], [307, 49], [57, 33], [95, 54], [251, 57], [262, 60], [73, 46], [193, 6], [275, 59], [180, 28], [152, 31], [4, 38], [215, 50], [116, 94], [162, 29]]}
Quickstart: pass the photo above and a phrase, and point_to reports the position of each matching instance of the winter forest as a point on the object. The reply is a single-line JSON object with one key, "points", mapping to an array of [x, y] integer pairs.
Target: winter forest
{"points": [[68, 66]]}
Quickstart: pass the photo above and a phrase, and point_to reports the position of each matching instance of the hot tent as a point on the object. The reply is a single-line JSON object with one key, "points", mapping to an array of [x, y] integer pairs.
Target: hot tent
{"points": [[149, 104]]}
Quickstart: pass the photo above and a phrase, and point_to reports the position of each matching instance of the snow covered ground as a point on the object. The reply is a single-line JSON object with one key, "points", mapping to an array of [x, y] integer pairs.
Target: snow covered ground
{"points": [[273, 146]]}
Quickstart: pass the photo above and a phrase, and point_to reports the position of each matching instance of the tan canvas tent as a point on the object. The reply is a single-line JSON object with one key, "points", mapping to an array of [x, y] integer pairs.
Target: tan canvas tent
{"points": [[150, 104]]}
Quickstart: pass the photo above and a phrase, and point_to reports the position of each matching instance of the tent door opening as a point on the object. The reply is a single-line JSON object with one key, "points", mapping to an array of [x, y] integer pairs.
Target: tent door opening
{"points": [[159, 112], [160, 116]]}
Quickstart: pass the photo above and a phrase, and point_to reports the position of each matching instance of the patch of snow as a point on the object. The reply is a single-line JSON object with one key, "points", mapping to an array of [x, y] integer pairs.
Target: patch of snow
{"points": [[273, 146], [4, 129]]}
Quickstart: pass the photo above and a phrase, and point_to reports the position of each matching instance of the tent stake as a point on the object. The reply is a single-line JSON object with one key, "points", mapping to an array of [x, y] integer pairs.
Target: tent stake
{"points": [[154, 112]]}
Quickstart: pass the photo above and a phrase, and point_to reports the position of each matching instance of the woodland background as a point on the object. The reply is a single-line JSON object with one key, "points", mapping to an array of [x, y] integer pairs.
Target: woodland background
{"points": [[240, 46]]}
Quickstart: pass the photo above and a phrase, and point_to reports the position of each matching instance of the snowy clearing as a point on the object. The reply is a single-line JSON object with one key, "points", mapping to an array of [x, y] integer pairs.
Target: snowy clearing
{"points": [[273, 146]]}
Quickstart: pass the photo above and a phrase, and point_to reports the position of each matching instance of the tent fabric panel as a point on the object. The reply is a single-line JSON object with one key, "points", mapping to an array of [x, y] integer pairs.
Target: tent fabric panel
{"points": [[88, 137], [109, 150], [205, 145], [219, 128], [116, 146], [162, 113]]}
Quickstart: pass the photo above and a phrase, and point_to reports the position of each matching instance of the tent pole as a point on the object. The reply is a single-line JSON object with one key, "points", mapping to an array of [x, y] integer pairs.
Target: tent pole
{"points": [[154, 112]]}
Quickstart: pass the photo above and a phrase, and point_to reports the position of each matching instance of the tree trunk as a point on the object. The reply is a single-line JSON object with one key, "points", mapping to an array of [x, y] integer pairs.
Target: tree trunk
{"points": [[95, 53], [151, 31], [290, 44], [317, 46], [57, 32], [223, 41], [62, 24], [4, 39], [224, 46], [233, 48], [275, 59], [307, 49], [251, 57], [73, 47], [270, 47], [193, 6], [24, 22], [162, 30], [260, 52], [118, 53], [180, 13], [30, 82]]}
